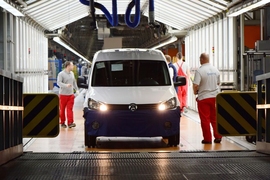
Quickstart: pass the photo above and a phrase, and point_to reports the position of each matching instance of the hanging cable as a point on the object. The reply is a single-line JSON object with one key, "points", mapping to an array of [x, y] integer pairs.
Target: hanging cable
{"points": [[136, 21], [113, 19], [92, 10], [152, 22]]}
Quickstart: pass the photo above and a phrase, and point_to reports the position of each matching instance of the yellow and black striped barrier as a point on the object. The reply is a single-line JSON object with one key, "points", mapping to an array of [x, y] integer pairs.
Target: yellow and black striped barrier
{"points": [[41, 115], [236, 113]]}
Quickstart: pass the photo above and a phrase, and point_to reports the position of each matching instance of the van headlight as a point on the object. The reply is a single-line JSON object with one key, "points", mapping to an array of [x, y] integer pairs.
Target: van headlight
{"points": [[95, 105], [170, 104]]}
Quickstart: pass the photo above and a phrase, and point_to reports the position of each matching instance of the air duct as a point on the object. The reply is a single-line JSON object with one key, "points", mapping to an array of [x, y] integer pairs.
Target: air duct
{"points": [[234, 3], [21, 2]]}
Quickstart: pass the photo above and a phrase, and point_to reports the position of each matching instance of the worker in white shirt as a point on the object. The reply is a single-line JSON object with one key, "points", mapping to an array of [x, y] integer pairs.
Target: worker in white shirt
{"points": [[205, 85]]}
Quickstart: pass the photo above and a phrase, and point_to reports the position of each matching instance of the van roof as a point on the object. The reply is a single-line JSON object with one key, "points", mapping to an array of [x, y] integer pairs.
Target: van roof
{"points": [[128, 54]]}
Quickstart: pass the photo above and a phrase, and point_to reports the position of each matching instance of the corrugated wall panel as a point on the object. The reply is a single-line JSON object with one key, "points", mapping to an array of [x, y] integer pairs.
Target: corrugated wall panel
{"points": [[216, 39], [31, 62]]}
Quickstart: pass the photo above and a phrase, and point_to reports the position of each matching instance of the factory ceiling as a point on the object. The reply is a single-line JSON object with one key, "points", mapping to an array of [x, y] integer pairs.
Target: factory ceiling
{"points": [[74, 23]]}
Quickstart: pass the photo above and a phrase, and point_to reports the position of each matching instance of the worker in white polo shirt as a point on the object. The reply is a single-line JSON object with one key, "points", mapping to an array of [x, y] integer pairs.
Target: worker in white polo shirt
{"points": [[205, 85]]}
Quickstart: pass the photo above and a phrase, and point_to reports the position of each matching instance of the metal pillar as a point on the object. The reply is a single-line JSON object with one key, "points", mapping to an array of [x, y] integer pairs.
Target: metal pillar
{"points": [[242, 49], [5, 39], [263, 110], [234, 51], [262, 22]]}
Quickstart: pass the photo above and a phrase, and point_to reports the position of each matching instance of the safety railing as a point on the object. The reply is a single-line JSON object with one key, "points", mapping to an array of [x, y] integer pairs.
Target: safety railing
{"points": [[11, 116], [263, 114]]}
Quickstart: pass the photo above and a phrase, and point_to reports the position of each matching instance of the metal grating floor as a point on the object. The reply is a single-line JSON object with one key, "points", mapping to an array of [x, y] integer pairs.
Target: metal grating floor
{"points": [[145, 166]]}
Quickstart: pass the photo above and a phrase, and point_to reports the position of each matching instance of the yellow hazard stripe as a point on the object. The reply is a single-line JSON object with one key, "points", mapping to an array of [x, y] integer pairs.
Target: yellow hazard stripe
{"points": [[46, 130], [36, 120], [236, 115], [246, 104], [29, 107], [224, 123]]}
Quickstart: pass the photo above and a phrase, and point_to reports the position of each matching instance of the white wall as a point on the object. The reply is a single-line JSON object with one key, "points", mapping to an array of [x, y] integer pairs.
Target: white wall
{"points": [[217, 39], [24, 51], [31, 57]]}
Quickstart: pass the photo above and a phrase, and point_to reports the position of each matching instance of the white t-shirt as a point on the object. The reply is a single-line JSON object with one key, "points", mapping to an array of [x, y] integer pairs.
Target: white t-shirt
{"points": [[171, 72], [208, 78], [184, 66]]}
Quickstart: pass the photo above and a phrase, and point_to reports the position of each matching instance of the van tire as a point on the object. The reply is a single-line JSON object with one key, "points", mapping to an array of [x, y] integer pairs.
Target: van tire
{"points": [[90, 141], [173, 140], [251, 139]]}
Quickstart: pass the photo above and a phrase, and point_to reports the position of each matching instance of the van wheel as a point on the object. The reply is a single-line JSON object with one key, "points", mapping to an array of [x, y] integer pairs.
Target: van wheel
{"points": [[251, 139], [173, 140], [90, 141]]}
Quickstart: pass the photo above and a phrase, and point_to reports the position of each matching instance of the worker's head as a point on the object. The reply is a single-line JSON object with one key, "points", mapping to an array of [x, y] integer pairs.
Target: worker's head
{"points": [[204, 58], [168, 58], [179, 55], [69, 65]]}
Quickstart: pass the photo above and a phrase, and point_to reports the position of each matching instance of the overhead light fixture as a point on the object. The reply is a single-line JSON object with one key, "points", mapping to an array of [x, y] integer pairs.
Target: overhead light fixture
{"points": [[166, 42], [62, 43], [222, 2], [247, 7], [10, 8]]}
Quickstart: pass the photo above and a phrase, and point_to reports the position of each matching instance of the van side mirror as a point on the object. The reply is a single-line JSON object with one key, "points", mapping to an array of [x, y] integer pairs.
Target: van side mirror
{"points": [[81, 82], [180, 81]]}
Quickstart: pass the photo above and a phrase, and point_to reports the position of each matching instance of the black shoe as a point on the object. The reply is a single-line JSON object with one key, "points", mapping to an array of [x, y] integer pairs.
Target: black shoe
{"points": [[206, 142], [72, 125], [63, 126], [217, 140]]}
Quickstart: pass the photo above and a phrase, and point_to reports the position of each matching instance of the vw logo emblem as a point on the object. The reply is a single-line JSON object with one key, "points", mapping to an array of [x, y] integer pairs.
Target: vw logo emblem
{"points": [[133, 107]]}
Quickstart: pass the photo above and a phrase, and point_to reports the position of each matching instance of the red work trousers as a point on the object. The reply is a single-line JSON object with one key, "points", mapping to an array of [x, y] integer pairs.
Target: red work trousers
{"points": [[182, 96], [66, 104], [207, 113]]}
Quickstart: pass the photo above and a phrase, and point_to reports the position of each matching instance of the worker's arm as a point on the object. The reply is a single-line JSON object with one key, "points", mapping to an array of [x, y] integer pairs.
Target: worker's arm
{"points": [[196, 82], [195, 88]]}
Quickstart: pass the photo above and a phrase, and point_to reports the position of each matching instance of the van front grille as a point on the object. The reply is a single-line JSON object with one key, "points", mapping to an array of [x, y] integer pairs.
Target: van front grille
{"points": [[127, 106]]}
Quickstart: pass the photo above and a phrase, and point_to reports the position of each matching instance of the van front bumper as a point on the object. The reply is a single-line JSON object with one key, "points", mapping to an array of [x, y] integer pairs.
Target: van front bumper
{"points": [[140, 123]]}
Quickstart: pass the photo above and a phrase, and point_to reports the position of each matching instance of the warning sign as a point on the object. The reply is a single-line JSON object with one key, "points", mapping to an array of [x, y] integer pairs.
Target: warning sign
{"points": [[41, 115], [236, 113]]}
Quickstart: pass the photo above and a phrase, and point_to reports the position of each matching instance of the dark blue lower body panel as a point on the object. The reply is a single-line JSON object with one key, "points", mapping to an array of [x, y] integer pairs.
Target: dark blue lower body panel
{"points": [[140, 123]]}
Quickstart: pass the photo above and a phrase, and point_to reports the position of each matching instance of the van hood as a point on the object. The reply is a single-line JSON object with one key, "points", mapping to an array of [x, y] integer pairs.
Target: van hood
{"points": [[127, 95]]}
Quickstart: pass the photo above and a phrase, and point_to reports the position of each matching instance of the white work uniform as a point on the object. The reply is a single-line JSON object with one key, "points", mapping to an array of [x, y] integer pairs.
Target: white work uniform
{"points": [[207, 77], [171, 72]]}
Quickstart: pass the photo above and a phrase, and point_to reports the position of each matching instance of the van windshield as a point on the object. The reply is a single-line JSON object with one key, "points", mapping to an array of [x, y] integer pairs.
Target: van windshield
{"points": [[130, 73]]}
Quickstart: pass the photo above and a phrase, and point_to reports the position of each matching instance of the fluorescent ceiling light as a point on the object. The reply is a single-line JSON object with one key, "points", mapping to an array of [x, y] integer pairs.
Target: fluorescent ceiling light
{"points": [[248, 7], [215, 4], [222, 2], [10, 8], [166, 42], [62, 43]]}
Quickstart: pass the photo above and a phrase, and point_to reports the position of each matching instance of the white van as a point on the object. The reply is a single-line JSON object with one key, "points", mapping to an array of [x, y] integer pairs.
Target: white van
{"points": [[131, 94]]}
